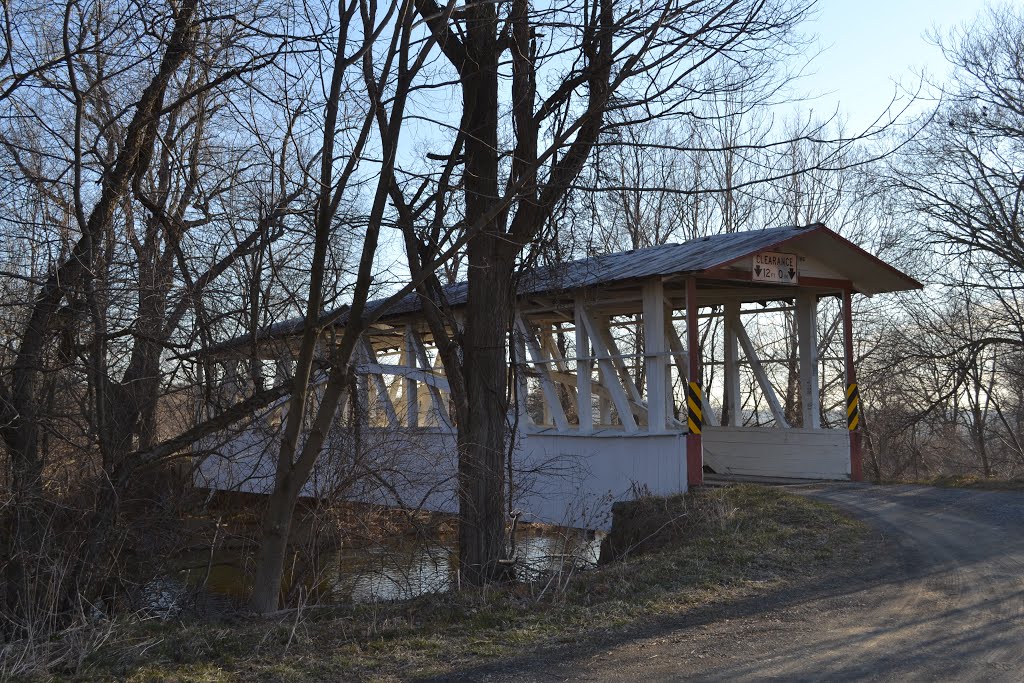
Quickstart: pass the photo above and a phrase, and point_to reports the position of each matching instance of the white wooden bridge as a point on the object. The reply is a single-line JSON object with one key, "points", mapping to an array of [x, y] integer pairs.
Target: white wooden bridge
{"points": [[634, 372]]}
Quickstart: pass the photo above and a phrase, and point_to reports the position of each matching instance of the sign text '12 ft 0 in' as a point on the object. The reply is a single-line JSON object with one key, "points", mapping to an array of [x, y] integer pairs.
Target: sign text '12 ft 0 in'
{"points": [[770, 266]]}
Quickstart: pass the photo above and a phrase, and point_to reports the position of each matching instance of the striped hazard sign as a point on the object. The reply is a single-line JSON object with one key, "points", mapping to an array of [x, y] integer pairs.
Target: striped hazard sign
{"points": [[694, 403], [852, 407]]}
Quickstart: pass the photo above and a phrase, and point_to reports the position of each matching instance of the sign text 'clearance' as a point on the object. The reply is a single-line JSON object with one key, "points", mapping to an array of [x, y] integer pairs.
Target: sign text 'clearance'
{"points": [[770, 266]]}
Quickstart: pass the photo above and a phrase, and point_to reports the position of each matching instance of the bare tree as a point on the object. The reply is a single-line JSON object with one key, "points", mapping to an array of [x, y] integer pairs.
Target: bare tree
{"points": [[964, 175], [114, 172], [502, 175], [954, 194], [372, 42]]}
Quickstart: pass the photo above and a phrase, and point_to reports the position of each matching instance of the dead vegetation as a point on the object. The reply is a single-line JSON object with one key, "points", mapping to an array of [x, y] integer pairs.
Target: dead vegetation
{"points": [[709, 547]]}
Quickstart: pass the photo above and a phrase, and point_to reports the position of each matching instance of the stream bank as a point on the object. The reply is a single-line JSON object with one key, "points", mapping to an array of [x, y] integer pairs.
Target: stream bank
{"points": [[726, 544]]}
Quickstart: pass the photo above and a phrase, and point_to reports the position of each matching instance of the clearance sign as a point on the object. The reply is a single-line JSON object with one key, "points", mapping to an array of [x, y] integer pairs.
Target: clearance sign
{"points": [[774, 267]]}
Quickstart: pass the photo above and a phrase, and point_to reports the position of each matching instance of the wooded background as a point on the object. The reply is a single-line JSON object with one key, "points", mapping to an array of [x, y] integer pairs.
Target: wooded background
{"points": [[176, 175]]}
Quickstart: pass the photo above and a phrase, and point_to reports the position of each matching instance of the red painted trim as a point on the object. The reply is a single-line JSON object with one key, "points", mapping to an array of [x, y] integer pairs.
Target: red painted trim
{"points": [[828, 282], [803, 280], [694, 460], [694, 445], [856, 458], [851, 371]]}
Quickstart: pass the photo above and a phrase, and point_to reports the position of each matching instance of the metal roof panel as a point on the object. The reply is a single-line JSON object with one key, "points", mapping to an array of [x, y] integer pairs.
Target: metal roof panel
{"points": [[868, 273]]}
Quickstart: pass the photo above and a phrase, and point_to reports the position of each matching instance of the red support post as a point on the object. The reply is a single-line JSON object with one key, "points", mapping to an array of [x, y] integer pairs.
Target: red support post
{"points": [[694, 393], [852, 391]]}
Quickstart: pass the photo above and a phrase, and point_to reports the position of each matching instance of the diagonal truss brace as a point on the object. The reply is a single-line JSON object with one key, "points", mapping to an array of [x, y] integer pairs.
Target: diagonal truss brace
{"points": [[540, 363], [759, 373]]}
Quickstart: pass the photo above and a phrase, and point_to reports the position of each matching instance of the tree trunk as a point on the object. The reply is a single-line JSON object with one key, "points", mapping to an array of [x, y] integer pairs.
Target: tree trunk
{"points": [[482, 434], [270, 563], [979, 435]]}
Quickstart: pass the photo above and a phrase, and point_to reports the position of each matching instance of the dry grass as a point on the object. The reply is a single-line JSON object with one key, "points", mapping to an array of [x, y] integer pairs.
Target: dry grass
{"points": [[722, 544]]}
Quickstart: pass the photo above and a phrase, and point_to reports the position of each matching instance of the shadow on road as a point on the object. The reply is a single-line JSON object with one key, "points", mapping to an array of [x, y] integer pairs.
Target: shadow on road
{"points": [[938, 593]]}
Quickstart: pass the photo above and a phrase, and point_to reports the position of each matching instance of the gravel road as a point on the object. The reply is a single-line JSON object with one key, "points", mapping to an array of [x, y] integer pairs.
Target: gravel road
{"points": [[942, 598]]}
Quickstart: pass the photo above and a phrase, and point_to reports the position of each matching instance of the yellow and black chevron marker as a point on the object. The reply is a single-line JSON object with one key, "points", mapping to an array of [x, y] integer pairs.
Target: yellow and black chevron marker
{"points": [[694, 403], [852, 407]]}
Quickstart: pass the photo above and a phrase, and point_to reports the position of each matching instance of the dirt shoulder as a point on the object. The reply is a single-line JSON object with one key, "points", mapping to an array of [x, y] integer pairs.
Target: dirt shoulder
{"points": [[731, 553], [713, 627], [938, 595]]}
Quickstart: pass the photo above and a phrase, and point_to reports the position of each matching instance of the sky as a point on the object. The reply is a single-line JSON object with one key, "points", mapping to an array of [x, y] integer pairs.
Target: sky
{"points": [[871, 45], [868, 48]]}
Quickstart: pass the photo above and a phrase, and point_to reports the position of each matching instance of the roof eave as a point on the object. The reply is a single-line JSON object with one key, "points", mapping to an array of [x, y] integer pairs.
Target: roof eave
{"points": [[822, 229]]}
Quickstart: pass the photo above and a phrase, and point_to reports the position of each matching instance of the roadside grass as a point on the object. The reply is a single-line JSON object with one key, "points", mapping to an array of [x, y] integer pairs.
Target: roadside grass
{"points": [[971, 481], [712, 545]]}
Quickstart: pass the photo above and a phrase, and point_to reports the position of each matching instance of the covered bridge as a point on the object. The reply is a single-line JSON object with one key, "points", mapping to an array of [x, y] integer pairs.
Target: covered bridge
{"points": [[635, 372]]}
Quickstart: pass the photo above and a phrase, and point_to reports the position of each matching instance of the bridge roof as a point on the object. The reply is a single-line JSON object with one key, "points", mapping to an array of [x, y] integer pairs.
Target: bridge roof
{"points": [[867, 273], [709, 255]]}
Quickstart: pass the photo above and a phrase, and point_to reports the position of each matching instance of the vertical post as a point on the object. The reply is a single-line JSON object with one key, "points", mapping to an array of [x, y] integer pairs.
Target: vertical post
{"points": [[409, 389], [852, 391], [363, 392], [584, 393], [807, 334], [655, 357], [231, 383], [522, 387], [670, 397], [283, 371], [694, 394], [733, 405]]}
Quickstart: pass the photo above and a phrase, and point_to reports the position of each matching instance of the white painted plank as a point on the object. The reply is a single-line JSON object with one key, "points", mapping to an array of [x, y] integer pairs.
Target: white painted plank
{"points": [[760, 451], [584, 394], [732, 366], [654, 356], [409, 386], [426, 377], [807, 335]]}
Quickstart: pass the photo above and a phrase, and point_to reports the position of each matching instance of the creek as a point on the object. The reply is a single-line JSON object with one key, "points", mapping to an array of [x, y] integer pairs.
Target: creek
{"points": [[396, 570]]}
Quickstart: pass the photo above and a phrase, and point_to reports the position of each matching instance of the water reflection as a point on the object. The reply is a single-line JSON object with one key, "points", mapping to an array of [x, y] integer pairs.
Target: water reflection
{"points": [[389, 573], [393, 571]]}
